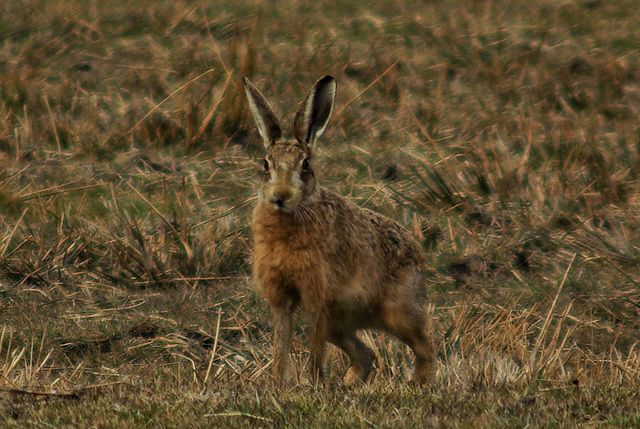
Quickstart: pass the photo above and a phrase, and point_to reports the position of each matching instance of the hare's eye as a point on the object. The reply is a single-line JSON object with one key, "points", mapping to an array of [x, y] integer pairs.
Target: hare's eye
{"points": [[266, 165], [305, 164]]}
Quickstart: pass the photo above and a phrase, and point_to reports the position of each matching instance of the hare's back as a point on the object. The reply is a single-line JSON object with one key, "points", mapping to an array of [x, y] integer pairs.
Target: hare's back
{"points": [[366, 238]]}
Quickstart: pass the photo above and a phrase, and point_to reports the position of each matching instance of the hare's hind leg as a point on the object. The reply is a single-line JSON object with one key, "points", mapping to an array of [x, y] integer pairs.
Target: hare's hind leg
{"points": [[404, 316], [360, 355], [422, 346], [409, 325]]}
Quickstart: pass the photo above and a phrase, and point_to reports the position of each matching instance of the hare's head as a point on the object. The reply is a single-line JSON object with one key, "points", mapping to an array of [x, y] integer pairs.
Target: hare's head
{"points": [[288, 174]]}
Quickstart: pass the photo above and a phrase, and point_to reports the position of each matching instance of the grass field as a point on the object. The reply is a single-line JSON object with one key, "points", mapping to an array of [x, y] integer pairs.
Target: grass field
{"points": [[504, 134]]}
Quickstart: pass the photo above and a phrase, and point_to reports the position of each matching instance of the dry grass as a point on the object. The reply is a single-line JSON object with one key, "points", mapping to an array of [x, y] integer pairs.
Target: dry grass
{"points": [[504, 134]]}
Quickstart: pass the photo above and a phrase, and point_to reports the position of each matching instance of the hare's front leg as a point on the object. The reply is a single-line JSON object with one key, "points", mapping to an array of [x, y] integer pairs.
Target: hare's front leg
{"points": [[318, 343], [282, 334]]}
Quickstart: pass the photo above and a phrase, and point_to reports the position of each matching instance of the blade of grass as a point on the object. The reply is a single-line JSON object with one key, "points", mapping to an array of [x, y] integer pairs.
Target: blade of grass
{"points": [[157, 106], [187, 249], [213, 349]]}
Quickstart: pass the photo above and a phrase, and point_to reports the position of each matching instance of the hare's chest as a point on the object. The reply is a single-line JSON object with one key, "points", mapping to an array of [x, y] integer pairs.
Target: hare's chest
{"points": [[286, 261], [281, 270]]}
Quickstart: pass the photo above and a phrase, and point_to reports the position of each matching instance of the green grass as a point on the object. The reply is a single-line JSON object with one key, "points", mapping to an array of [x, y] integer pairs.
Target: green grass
{"points": [[503, 134]]}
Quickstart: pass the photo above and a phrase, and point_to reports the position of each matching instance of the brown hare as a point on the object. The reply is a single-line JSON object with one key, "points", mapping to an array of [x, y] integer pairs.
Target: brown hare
{"points": [[348, 267]]}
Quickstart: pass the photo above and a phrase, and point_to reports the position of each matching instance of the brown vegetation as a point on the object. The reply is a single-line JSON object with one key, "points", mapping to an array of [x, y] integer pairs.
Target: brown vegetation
{"points": [[502, 134]]}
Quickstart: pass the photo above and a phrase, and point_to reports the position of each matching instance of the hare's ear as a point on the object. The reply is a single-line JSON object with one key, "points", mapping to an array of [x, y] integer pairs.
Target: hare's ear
{"points": [[268, 124], [313, 116]]}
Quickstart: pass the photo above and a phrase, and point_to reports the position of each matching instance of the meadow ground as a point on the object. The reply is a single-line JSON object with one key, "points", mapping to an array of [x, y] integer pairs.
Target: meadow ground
{"points": [[504, 134]]}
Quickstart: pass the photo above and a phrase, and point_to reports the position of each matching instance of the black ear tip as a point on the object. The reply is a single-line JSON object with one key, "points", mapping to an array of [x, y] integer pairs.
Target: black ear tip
{"points": [[326, 79]]}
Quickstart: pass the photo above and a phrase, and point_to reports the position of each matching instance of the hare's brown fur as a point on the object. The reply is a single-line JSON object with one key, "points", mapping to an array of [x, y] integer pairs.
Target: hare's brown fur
{"points": [[348, 267]]}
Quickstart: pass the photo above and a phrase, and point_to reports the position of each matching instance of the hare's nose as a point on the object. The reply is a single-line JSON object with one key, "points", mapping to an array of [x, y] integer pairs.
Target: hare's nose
{"points": [[281, 196]]}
